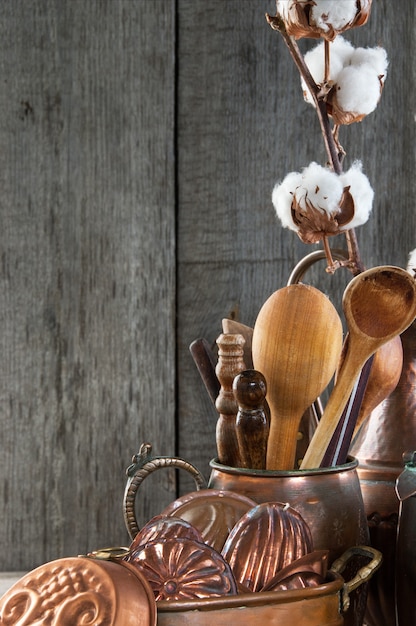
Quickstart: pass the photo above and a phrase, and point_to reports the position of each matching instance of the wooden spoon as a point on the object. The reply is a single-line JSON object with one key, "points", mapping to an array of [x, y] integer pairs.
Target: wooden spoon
{"points": [[378, 304], [297, 342], [384, 376]]}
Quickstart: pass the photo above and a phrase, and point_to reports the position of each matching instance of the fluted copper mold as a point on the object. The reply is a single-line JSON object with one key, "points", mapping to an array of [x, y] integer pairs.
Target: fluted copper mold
{"points": [[267, 539], [80, 591], [182, 569], [162, 527], [311, 570], [213, 512]]}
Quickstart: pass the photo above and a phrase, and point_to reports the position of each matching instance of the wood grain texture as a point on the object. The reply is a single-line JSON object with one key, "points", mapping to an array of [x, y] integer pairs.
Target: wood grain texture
{"points": [[88, 267], [139, 144]]}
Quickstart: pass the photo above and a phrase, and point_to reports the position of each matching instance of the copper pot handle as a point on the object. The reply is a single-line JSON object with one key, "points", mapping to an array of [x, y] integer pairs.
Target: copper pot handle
{"points": [[364, 573], [143, 465]]}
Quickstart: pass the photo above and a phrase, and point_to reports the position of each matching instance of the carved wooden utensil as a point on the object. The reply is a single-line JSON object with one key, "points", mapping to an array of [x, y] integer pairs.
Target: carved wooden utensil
{"points": [[378, 304], [252, 422], [297, 342]]}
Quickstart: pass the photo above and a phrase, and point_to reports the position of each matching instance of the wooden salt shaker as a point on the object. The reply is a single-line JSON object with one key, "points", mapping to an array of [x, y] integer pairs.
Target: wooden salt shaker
{"points": [[230, 364], [252, 423]]}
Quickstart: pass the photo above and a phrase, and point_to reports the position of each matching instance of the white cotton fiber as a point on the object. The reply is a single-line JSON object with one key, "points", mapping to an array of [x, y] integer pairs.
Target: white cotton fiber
{"points": [[358, 89], [320, 187], [282, 198], [335, 13], [411, 264], [374, 57], [340, 52], [361, 192]]}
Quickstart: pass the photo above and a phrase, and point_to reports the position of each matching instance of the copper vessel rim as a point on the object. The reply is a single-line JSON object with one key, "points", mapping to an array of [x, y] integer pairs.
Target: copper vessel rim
{"points": [[332, 586], [351, 464]]}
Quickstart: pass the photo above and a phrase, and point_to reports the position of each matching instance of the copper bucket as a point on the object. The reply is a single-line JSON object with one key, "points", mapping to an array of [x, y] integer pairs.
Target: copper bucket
{"points": [[329, 500]]}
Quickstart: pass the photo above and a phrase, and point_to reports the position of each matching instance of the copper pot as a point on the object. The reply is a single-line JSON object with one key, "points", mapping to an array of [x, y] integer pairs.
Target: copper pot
{"points": [[388, 432], [329, 499], [323, 605]]}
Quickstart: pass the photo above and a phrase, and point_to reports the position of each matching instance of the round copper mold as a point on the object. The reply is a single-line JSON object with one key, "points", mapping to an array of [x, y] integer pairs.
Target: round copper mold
{"points": [[162, 527], [80, 591], [182, 569], [267, 538], [213, 512]]}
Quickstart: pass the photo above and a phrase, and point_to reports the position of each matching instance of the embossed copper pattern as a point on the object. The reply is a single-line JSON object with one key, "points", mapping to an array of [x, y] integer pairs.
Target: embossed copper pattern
{"points": [[162, 527], [213, 512], [79, 592], [266, 539], [182, 569]]}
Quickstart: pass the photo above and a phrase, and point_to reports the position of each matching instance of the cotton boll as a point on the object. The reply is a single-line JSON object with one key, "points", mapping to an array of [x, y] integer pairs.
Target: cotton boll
{"points": [[321, 188], [333, 13], [340, 53], [375, 57], [282, 198], [361, 192], [358, 89]]}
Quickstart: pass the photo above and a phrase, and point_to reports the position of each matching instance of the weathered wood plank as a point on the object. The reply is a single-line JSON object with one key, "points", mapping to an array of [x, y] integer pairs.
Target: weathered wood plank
{"points": [[88, 267]]}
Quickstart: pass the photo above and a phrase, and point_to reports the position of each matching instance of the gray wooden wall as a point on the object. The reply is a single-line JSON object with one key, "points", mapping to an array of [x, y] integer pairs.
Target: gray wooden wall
{"points": [[139, 144]]}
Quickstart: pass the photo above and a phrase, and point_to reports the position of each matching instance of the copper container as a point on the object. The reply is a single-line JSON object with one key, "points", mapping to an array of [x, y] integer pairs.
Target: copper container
{"points": [[80, 591], [389, 431], [406, 546], [323, 605], [328, 499]]}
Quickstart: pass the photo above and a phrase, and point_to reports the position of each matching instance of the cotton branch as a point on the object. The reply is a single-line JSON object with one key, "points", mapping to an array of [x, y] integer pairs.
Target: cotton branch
{"points": [[335, 153]]}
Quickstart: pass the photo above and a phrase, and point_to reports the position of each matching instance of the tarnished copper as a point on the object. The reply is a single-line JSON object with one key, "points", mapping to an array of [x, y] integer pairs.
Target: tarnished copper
{"points": [[162, 527], [213, 512], [86, 591], [267, 539], [182, 569]]}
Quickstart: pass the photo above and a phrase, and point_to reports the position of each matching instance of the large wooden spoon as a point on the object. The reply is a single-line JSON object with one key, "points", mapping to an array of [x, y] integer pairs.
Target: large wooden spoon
{"points": [[297, 342], [378, 304]]}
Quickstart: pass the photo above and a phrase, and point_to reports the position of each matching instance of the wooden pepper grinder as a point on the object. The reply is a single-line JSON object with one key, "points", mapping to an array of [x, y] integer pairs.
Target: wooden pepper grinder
{"points": [[252, 423], [230, 363]]}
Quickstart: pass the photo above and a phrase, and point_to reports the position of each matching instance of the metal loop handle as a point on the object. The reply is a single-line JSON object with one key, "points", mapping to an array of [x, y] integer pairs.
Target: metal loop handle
{"points": [[364, 573], [143, 465], [310, 259]]}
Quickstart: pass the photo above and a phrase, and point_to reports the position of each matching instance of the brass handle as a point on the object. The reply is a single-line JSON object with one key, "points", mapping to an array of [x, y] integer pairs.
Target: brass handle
{"points": [[364, 573], [143, 465]]}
